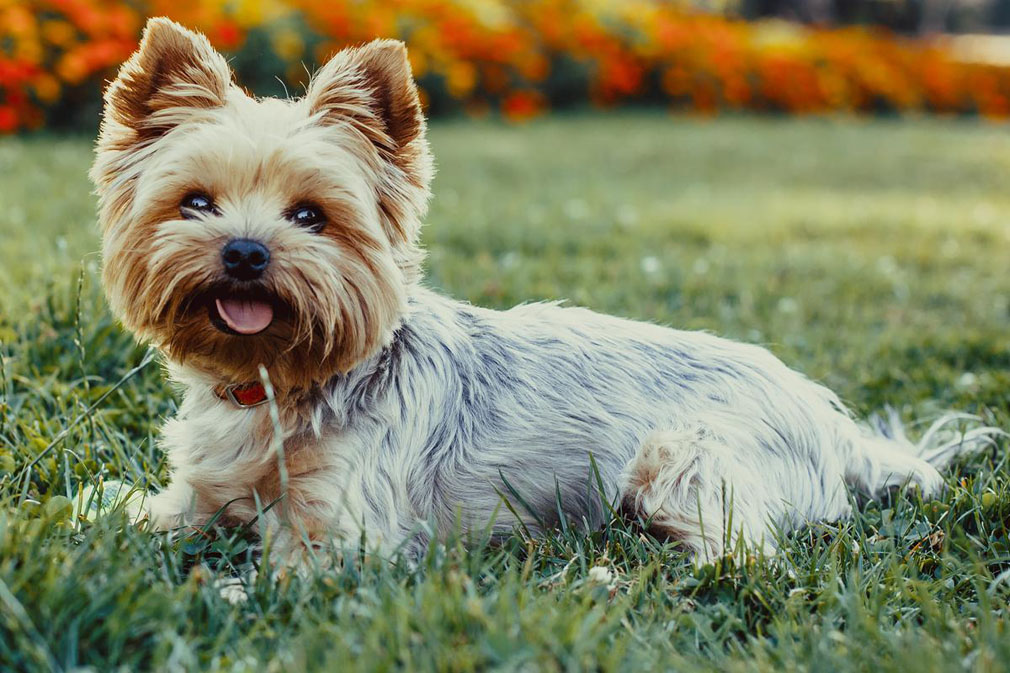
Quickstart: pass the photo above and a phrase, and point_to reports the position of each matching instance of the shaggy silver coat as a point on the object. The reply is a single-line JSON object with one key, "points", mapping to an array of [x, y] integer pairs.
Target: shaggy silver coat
{"points": [[683, 428]]}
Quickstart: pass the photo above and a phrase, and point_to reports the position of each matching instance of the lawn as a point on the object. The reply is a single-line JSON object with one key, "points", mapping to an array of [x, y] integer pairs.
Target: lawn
{"points": [[871, 255]]}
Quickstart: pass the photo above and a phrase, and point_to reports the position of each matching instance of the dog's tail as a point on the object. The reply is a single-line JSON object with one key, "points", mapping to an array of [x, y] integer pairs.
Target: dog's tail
{"points": [[951, 435], [886, 457]]}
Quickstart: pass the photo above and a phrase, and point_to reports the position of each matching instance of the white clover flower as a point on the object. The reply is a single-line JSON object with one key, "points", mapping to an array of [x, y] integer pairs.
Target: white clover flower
{"points": [[601, 575]]}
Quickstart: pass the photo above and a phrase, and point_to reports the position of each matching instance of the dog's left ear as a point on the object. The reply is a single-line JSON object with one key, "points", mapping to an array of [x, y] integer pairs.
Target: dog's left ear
{"points": [[174, 72], [372, 88]]}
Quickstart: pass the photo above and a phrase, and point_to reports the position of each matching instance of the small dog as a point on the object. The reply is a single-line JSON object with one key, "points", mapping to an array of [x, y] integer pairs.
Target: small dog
{"points": [[270, 249]]}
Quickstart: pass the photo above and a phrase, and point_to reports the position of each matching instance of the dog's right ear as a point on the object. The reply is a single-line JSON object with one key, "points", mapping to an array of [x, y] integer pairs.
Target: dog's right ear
{"points": [[174, 72]]}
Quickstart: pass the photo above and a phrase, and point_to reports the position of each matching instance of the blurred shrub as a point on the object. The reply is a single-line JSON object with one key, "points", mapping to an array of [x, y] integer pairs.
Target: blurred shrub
{"points": [[520, 57]]}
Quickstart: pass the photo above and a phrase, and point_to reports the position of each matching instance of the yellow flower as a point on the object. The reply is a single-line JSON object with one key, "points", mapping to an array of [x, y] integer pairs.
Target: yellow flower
{"points": [[288, 44], [18, 21], [28, 51], [58, 32], [460, 78], [253, 13]]}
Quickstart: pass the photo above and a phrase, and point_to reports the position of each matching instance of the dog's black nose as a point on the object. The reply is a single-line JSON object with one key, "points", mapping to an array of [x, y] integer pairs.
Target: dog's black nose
{"points": [[245, 259]]}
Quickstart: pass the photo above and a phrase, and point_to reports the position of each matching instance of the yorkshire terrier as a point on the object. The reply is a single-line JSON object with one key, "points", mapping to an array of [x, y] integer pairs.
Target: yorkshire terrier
{"points": [[269, 248]]}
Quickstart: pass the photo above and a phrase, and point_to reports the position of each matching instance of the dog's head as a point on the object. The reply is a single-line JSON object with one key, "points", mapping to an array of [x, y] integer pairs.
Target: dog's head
{"points": [[240, 232]]}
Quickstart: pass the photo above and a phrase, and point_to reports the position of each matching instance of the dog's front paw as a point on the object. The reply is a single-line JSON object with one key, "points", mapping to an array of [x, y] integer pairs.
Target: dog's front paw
{"points": [[168, 510], [235, 588], [158, 516]]}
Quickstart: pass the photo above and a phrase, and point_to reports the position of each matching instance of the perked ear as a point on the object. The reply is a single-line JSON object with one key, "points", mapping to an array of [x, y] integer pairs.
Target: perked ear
{"points": [[372, 87], [174, 69]]}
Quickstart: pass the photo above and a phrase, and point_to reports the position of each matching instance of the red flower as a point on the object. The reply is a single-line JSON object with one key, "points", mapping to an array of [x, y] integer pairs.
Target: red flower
{"points": [[227, 34], [522, 105], [8, 119]]}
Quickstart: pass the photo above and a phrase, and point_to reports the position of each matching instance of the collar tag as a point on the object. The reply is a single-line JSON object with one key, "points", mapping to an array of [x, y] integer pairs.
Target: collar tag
{"points": [[244, 395]]}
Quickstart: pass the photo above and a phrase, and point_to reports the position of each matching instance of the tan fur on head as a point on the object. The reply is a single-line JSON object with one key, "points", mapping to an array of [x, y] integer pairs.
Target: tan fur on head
{"points": [[175, 124]]}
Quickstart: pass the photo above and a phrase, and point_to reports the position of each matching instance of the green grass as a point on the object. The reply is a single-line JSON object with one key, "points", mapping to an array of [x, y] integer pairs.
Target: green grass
{"points": [[871, 255]]}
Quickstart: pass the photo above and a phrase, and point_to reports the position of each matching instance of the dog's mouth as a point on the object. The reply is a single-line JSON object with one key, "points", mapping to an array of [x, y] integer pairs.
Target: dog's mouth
{"points": [[244, 316], [241, 313]]}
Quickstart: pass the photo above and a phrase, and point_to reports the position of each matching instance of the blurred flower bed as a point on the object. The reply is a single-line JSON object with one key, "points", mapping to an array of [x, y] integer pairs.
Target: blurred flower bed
{"points": [[518, 57]]}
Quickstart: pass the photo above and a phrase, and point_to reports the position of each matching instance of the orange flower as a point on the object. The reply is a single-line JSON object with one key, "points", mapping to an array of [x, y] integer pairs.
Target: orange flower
{"points": [[72, 67], [521, 54], [520, 106], [58, 32], [47, 88]]}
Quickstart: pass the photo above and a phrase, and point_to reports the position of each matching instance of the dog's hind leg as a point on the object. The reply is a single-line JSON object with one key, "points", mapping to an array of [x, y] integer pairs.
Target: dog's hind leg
{"points": [[687, 484], [884, 457]]}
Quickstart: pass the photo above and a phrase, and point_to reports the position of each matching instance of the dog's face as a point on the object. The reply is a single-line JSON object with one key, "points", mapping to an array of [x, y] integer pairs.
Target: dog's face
{"points": [[240, 232]]}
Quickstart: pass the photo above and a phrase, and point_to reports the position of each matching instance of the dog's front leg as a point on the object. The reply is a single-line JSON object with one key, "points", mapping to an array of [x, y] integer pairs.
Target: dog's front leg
{"points": [[169, 509]]}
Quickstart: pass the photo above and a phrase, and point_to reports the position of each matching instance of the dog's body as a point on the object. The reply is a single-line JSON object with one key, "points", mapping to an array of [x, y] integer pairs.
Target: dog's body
{"points": [[246, 236], [468, 404]]}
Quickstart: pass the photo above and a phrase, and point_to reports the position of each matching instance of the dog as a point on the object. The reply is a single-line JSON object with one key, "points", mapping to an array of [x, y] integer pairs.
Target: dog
{"points": [[270, 250]]}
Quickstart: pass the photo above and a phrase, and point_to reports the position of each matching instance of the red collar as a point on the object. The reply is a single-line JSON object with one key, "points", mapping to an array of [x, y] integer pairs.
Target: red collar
{"points": [[243, 395]]}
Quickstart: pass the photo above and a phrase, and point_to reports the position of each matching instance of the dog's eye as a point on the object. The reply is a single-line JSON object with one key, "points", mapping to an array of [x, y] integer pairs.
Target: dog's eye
{"points": [[196, 203], [309, 216]]}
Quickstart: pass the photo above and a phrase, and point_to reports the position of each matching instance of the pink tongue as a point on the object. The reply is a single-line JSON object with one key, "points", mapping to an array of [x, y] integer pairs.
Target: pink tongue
{"points": [[245, 317]]}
